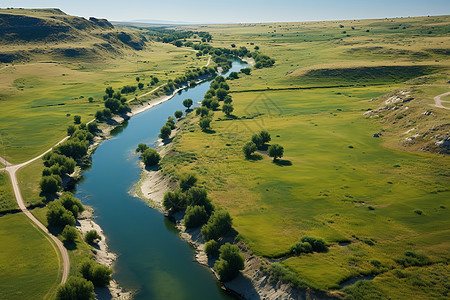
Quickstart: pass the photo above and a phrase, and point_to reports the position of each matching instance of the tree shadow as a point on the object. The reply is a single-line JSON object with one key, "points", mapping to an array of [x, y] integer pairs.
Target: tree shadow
{"points": [[255, 157], [232, 117], [167, 141], [264, 148], [283, 162], [70, 245], [153, 168], [209, 131]]}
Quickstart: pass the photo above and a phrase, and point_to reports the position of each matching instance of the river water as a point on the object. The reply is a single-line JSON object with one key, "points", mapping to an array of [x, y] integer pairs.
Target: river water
{"points": [[153, 260]]}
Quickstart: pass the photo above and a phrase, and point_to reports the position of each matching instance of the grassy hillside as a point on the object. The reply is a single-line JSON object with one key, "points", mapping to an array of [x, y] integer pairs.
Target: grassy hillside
{"points": [[364, 196]]}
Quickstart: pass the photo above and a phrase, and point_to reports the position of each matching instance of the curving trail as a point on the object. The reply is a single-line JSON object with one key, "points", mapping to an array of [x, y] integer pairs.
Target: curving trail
{"points": [[12, 169], [438, 101]]}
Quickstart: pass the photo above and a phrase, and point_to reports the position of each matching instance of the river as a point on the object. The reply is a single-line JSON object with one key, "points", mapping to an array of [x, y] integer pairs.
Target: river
{"points": [[153, 260]]}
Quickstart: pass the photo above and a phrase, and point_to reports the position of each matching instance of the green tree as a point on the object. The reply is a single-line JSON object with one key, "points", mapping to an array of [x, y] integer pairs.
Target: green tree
{"points": [[202, 111], [140, 85], [109, 91], [276, 151], [77, 119], [246, 71], [76, 289], [91, 236], [214, 105], [50, 184], [141, 147], [248, 149], [98, 274], [187, 181], [72, 204], [230, 262], [99, 115], [257, 140], [178, 114], [71, 129], [174, 201], [221, 94], [92, 127], [70, 233], [265, 136], [233, 75], [150, 157], [107, 113], [317, 245], [165, 132], [227, 99], [90, 99], [218, 225], [212, 248], [205, 123], [138, 79], [58, 216], [227, 109], [195, 216]]}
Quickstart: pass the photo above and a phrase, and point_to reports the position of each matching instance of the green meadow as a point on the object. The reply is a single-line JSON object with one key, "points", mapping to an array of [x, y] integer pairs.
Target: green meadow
{"points": [[365, 197]]}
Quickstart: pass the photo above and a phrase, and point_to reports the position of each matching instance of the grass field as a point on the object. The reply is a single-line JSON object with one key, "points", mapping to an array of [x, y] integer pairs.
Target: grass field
{"points": [[7, 200], [336, 181], [27, 257]]}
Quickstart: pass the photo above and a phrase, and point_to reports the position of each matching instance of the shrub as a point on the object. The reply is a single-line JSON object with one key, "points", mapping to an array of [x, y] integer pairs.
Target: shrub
{"points": [[195, 216], [150, 157], [100, 275], [76, 289], [248, 149], [50, 184], [58, 216], [165, 132], [281, 273], [212, 248], [375, 263], [202, 111], [301, 247], [317, 245], [178, 114], [411, 258], [246, 71], [91, 236], [174, 201], [205, 123], [187, 181], [230, 262], [141, 147], [218, 225], [69, 233]]}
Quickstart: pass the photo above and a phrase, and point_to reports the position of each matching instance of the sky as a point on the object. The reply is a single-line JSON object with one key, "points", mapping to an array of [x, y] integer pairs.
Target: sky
{"points": [[239, 11]]}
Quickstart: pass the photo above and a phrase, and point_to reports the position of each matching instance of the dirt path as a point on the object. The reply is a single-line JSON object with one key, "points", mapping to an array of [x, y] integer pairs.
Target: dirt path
{"points": [[438, 101], [61, 251]]}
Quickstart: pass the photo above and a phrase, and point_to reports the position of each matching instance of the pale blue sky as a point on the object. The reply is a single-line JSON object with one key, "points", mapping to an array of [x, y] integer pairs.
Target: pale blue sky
{"points": [[233, 11]]}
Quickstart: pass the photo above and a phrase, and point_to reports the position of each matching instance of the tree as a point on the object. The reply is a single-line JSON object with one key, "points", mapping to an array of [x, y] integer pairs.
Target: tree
{"points": [[72, 204], [317, 245], [212, 248], [233, 75], [248, 149], [246, 71], [265, 136], [214, 104], [71, 129], [202, 111], [227, 99], [58, 216], [174, 201], [69, 233], [150, 157], [91, 236], [141, 147], [140, 85], [107, 113], [205, 123], [109, 91], [221, 94], [92, 127], [198, 196], [227, 109], [76, 289], [257, 140], [218, 225], [187, 181], [50, 184], [178, 114], [100, 275], [195, 216], [138, 79], [276, 151], [77, 119], [230, 262], [165, 132], [99, 115]]}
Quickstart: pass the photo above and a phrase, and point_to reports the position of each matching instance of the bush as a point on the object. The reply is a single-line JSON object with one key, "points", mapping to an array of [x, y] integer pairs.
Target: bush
{"points": [[76, 289], [248, 149], [71, 203], [77, 119], [91, 236], [205, 123], [150, 157], [233, 75], [246, 71], [202, 111], [212, 248], [301, 247], [141, 147], [230, 262], [165, 132], [67, 164], [50, 184], [100, 275], [218, 225], [279, 272], [187, 181], [411, 258], [69, 233], [178, 114], [107, 113], [174, 201], [317, 245], [195, 216], [58, 216], [74, 147]]}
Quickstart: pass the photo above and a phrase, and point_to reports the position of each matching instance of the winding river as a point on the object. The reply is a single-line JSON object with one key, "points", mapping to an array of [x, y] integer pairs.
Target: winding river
{"points": [[153, 260]]}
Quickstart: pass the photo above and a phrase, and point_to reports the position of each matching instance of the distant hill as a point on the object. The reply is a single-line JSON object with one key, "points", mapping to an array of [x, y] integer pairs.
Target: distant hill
{"points": [[52, 32]]}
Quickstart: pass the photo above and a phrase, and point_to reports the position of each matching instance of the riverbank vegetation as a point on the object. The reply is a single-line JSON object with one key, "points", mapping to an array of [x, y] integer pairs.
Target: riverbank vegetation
{"points": [[335, 181]]}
